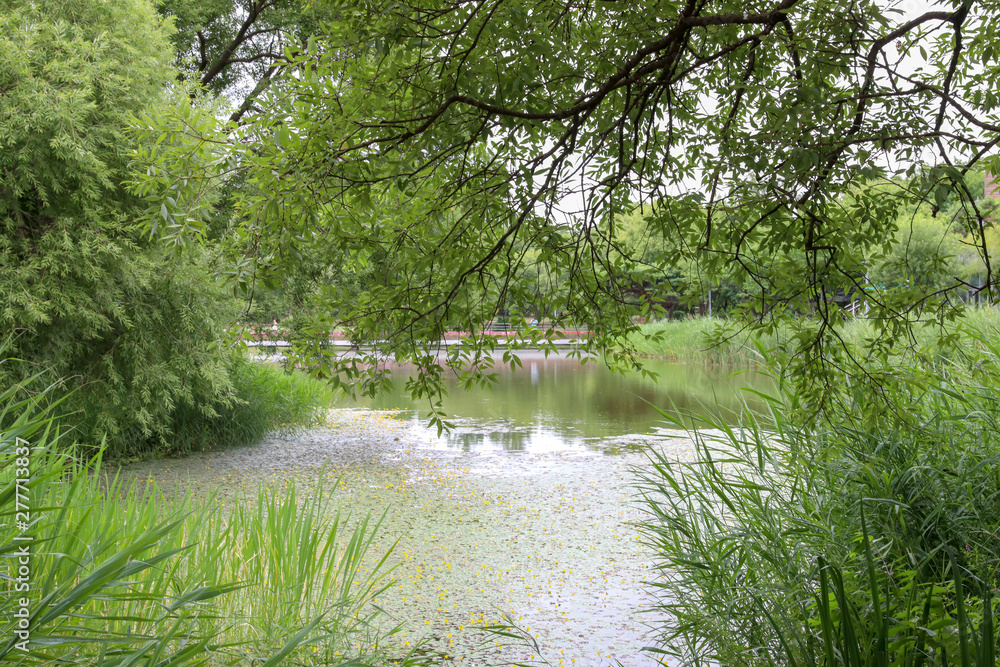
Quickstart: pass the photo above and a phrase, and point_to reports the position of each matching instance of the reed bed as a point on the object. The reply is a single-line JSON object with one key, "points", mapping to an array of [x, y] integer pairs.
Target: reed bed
{"points": [[117, 574], [722, 342], [871, 537], [688, 340]]}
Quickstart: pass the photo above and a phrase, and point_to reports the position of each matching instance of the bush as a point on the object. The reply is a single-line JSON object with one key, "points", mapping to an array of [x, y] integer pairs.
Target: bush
{"points": [[264, 399], [89, 297], [872, 538]]}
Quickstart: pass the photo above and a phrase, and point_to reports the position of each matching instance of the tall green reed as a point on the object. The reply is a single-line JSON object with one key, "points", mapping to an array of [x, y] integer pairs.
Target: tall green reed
{"points": [[688, 340], [870, 539], [729, 342], [119, 575]]}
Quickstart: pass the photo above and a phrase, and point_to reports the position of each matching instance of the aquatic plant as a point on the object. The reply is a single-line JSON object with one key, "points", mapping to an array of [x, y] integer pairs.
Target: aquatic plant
{"points": [[728, 342], [104, 571], [868, 537]]}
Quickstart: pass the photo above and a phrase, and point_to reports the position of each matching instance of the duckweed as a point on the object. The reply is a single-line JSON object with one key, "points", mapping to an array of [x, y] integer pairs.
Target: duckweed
{"points": [[544, 538]]}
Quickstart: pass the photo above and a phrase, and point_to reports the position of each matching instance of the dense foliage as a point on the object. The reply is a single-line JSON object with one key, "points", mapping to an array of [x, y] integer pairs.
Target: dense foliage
{"points": [[467, 142], [88, 297], [404, 168]]}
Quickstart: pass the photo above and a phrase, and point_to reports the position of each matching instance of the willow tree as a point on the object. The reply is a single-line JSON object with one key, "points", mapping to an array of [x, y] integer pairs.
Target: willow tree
{"points": [[87, 298], [462, 139]]}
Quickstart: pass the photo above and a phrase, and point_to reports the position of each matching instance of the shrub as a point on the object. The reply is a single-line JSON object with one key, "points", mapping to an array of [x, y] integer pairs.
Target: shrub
{"points": [[89, 297]]}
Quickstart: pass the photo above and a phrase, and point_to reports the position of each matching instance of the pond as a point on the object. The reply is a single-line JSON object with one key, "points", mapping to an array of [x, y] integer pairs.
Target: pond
{"points": [[527, 508], [558, 404]]}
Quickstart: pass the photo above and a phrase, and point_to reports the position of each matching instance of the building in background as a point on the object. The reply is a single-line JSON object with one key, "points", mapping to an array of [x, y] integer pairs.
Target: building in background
{"points": [[992, 186]]}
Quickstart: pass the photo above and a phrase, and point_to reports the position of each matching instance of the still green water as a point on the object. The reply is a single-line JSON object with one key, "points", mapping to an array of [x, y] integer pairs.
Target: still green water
{"points": [[516, 510], [555, 404]]}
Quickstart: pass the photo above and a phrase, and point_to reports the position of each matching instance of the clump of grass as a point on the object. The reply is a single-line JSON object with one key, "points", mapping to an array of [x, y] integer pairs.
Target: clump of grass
{"points": [[872, 538], [300, 565], [119, 575], [688, 340], [267, 399]]}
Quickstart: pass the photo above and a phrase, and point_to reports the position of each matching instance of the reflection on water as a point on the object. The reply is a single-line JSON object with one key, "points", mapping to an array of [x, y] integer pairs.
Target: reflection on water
{"points": [[557, 404]]}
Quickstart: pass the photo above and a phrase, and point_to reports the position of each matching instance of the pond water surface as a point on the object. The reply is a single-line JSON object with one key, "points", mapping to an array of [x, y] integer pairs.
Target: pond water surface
{"points": [[558, 404], [526, 508]]}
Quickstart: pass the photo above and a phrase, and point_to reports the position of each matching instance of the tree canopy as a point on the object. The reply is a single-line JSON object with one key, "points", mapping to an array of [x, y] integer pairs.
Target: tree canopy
{"points": [[455, 137], [236, 47]]}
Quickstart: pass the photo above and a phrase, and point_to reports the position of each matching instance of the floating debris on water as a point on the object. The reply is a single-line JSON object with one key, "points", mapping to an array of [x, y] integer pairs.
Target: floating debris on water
{"points": [[545, 538]]}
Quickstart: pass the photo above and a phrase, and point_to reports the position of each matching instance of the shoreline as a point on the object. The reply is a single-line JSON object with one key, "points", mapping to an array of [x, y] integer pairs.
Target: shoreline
{"points": [[565, 350]]}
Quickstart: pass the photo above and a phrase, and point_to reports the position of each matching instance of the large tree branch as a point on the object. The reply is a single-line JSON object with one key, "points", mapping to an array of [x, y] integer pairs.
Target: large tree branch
{"points": [[202, 46], [261, 86], [629, 72], [956, 55], [224, 59]]}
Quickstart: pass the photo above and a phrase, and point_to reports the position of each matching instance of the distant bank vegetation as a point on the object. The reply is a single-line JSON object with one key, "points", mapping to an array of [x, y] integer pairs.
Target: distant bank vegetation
{"points": [[719, 341]]}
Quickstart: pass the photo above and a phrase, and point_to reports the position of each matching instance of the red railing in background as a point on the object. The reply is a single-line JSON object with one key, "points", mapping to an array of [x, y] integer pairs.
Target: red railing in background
{"points": [[272, 332]]}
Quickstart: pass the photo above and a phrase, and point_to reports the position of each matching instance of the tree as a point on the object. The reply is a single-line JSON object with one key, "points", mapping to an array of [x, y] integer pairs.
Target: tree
{"points": [[87, 296], [924, 256], [544, 123], [235, 48], [231, 51], [669, 276]]}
